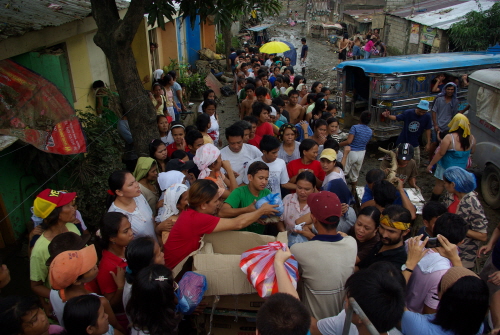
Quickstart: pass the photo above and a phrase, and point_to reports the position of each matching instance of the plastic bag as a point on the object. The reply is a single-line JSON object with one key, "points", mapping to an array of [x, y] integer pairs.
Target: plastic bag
{"points": [[272, 199], [192, 286], [258, 264]]}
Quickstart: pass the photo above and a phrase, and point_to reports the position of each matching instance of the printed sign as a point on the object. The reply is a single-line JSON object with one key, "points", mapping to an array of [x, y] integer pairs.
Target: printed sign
{"points": [[414, 33], [428, 35]]}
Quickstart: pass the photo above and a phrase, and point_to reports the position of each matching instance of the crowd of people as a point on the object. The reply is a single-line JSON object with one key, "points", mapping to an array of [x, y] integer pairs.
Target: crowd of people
{"points": [[289, 142]]}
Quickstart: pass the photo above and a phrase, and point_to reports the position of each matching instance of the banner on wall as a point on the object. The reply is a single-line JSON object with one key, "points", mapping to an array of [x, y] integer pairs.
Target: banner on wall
{"points": [[428, 35], [414, 33], [35, 111]]}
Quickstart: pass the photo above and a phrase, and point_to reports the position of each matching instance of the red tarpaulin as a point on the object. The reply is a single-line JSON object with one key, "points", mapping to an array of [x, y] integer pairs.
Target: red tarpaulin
{"points": [[35, 111]]}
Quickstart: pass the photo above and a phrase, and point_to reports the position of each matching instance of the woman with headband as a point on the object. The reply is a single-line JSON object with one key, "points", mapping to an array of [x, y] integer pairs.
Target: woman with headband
{"points": [[178, 131]]}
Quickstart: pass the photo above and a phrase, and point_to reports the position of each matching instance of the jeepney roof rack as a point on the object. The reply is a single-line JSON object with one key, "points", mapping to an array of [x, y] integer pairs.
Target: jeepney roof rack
{"points": [[438, 62]]}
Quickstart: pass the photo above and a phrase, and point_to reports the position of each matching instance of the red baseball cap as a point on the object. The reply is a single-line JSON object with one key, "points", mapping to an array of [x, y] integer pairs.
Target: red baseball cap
{"points": [[323, 205], [48, 200]]}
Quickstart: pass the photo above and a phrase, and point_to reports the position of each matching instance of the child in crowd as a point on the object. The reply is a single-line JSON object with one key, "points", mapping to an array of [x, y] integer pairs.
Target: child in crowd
{"points": [[307, 162], [253, 139], [242, 199], [154, 286], [178, 132], [116, 234], [194, 139], [85, 315], [261, 111], [246, 105], [209, 162], [69, 271], [359, 136], [25, 316], [163, 127], [203, 124], [141, 252], [210, 109], [332, 110], [320, 131], [207, 95], [278, 177]]}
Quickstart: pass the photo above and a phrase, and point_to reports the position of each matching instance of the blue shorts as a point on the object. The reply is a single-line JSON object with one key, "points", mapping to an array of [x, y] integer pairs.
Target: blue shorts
{"points": [[356, 51]]}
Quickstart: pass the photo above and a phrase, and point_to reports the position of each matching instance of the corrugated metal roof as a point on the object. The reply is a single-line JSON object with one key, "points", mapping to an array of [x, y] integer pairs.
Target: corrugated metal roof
{"points": [[363, 15], [423, 7], [444, 18], [18, 17]]}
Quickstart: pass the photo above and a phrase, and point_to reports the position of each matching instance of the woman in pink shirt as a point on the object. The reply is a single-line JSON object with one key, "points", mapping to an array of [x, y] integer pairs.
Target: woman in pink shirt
{"points": [[368, 47]]}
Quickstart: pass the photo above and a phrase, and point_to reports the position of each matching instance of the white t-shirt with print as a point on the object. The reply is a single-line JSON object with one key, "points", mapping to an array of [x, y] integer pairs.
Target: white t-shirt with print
{"points": [[278, 174]]}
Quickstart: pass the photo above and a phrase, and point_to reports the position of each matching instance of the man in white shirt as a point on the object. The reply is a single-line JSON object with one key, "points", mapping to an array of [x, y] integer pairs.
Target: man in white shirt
{"points": [[238, 153], [278, 175]]}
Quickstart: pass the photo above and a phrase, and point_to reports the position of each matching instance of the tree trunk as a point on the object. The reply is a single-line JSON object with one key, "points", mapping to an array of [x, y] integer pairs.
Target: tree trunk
{"points": [[226, 36], [114, 36]]}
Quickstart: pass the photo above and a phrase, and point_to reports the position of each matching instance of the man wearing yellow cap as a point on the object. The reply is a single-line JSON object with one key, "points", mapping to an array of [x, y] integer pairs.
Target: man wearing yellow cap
{"points": [[394, 226]]}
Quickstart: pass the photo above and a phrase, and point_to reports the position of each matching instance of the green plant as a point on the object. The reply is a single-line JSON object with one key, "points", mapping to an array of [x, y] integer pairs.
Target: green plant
{"points": [[477, 31], [90, 171], [235, 42], [195, 85], [220, 46]]}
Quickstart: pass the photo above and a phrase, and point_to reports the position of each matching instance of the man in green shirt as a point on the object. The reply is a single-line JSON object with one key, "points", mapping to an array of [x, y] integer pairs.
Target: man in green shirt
{"points": [[242, 200]]}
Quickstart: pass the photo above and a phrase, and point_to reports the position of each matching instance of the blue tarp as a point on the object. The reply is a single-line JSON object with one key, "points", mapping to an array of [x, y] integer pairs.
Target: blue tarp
{"points": [[424, 62], [261, 27], [292, 53]]}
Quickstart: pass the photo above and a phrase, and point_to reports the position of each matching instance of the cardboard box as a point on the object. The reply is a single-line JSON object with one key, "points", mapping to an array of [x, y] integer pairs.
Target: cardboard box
{"points": [[246, 302], [219, 260], [230, 325]]}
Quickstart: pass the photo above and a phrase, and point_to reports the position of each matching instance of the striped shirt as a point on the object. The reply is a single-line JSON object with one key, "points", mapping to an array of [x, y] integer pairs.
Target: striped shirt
{"points": [[362, 135]]}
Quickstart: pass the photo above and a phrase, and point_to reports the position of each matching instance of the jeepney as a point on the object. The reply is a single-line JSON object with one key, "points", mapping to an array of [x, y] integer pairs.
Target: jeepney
{"points": [[398, 83], [484, 117]]}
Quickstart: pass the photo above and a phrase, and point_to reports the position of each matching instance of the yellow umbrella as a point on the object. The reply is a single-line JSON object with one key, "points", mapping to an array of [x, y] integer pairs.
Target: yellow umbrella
{"points": [[274, 47]]}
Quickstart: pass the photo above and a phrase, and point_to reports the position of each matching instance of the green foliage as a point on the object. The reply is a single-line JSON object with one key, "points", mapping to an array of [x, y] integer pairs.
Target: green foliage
{"points": [[222, 12], [235, 42], [220, 46], [195, 85], [90, 171], [477, 31]]}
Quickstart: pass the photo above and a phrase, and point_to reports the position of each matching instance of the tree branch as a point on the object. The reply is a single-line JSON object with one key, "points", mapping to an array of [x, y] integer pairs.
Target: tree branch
{"points": [[105, 13], [127, 28]]}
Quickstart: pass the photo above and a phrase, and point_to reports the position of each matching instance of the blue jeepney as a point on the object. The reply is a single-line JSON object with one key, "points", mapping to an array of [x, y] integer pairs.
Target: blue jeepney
{"points": [[400, 82]]}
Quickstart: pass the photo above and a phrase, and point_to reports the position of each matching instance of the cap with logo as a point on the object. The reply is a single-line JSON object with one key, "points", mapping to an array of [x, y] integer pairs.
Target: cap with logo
{"points": [[48, 200], [405, 151], [71, 264]]}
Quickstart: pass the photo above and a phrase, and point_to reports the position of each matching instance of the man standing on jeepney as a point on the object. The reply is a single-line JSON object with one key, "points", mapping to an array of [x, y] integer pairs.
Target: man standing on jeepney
{"points": [[416, 122], [444, 109]]}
